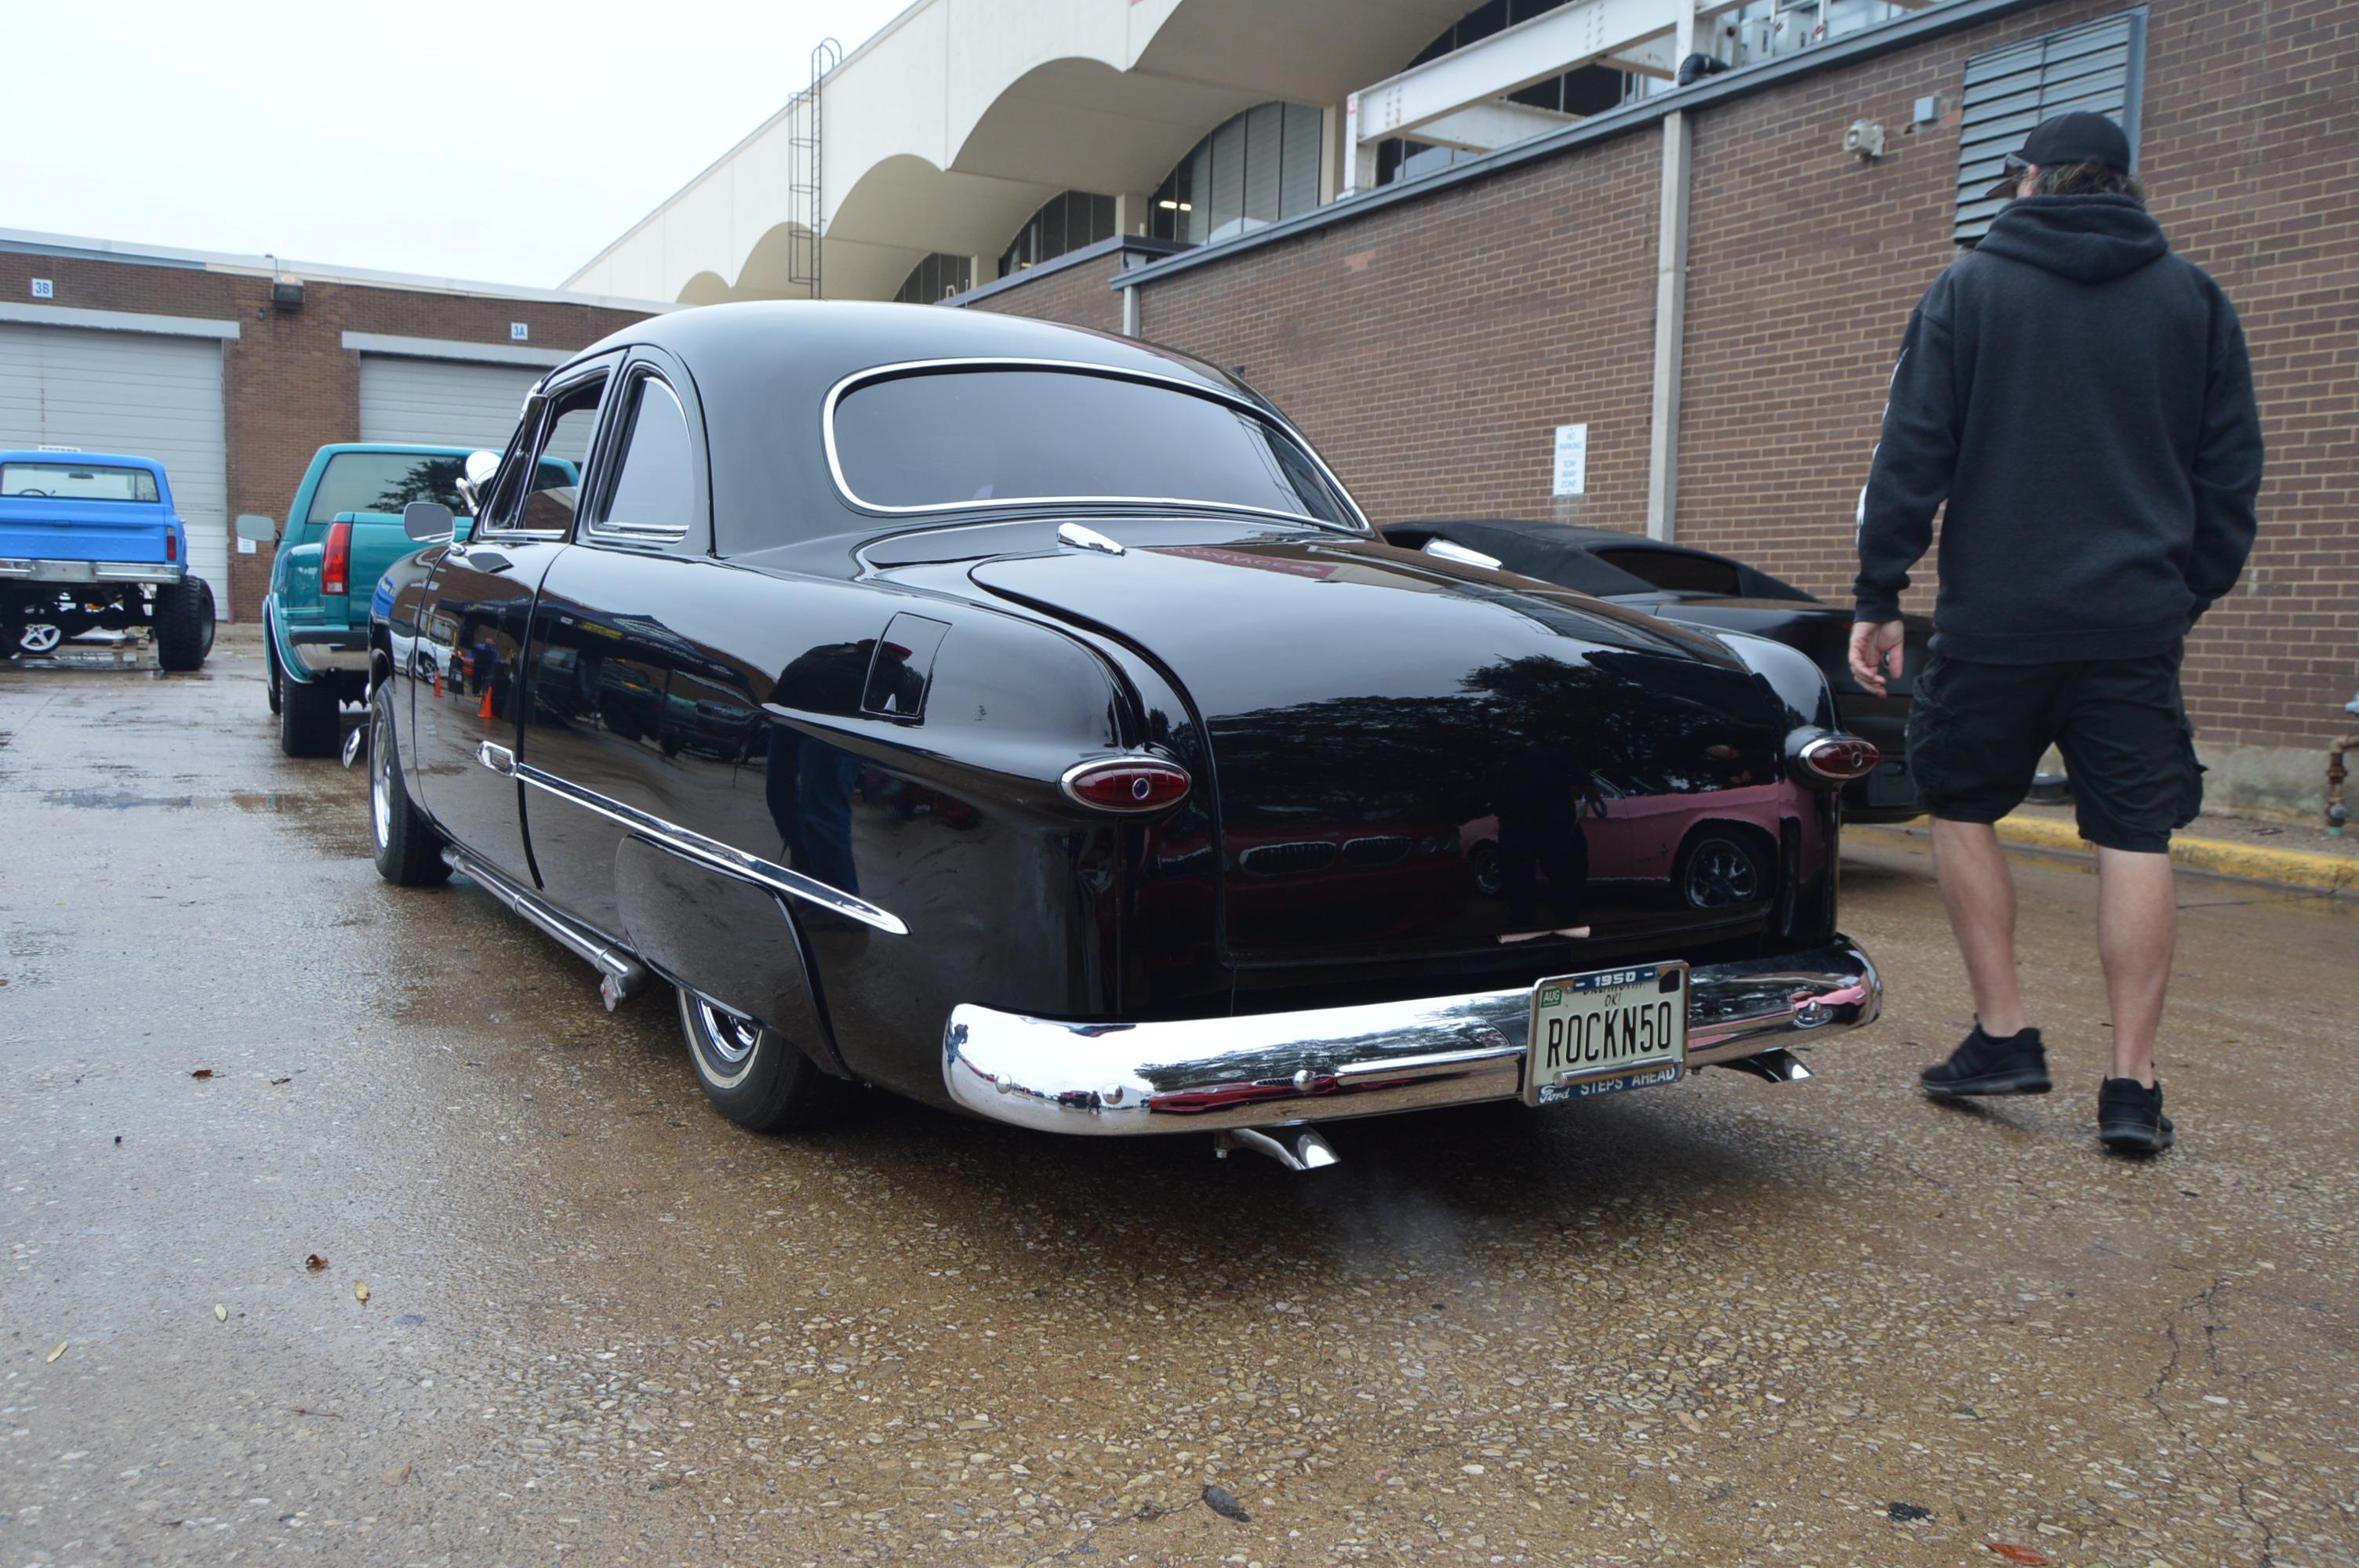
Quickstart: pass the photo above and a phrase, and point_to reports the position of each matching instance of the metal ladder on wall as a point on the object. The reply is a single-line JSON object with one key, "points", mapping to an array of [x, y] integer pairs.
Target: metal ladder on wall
{"points": [[806, 169]]}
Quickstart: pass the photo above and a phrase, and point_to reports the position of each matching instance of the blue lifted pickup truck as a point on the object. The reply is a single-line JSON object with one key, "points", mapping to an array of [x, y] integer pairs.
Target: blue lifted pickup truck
{"points": [[90, 542], [343, 531]]}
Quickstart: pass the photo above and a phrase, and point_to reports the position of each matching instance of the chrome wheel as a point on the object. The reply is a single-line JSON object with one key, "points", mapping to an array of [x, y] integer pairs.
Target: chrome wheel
{"points": [[1720, 873], [41, 637], [725, 1044], [380, 788]]}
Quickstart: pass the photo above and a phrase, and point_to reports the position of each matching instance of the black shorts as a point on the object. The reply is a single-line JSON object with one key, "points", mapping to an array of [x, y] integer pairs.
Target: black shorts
{"points": [[1976, 733]]}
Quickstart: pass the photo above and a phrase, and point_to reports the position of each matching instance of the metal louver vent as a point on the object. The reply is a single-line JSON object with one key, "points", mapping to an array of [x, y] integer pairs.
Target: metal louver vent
{"points": [[2097, 66]]}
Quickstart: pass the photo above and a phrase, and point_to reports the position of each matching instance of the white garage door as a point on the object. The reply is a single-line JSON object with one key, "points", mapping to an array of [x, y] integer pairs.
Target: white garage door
{"points": [[438, 403], [136, 394]]}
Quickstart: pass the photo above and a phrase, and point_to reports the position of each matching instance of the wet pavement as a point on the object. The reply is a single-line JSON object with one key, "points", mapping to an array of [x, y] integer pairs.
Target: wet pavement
{"points": [[1720, 1322]]}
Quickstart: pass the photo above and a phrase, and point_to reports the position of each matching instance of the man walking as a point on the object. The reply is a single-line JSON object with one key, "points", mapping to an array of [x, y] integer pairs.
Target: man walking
{"points": [[2081, 400]]}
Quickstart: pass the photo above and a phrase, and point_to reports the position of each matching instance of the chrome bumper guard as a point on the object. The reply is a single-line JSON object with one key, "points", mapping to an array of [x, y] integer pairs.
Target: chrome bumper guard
{"points": [[17, 568], [1204, 1075]]}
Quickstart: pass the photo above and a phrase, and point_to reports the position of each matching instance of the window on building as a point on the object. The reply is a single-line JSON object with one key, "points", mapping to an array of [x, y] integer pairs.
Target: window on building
{"points": [[1066, 222], [1765, 29], [1590, 90], [1254, 169], [935, 279], [2096, 66]]}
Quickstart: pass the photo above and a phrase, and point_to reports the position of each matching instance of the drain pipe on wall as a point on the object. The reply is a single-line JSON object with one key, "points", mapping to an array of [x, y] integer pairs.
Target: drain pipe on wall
{"points": [[1670, 308], [1130, 311], [2337, 814]]}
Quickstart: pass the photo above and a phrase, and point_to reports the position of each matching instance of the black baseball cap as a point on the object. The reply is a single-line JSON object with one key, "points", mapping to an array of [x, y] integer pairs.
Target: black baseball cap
{"points": [[2080, 137]]}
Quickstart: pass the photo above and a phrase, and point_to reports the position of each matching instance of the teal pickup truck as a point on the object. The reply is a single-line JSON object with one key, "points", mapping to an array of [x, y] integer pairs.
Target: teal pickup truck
{"points": [[342, 533]]}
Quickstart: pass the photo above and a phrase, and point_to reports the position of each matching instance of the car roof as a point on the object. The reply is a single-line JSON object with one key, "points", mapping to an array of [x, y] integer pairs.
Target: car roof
{"points": [[1566, 552], [86, 459], [430, 449], [1554, 552], [763, 370], [1569, 531], [841, 338]]}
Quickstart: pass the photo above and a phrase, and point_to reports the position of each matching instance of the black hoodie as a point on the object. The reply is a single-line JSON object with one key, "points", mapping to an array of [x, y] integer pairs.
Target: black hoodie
{"points": [[2082, 401]]}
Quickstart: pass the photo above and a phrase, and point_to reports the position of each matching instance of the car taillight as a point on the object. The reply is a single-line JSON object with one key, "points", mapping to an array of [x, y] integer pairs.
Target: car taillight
{"points": [[336, 559], [171, 547], [1836, 760], [1127, 784]]}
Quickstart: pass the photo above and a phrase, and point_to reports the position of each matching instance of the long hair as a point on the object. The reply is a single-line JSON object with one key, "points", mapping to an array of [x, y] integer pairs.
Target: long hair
{"points": [[2092, 177]]}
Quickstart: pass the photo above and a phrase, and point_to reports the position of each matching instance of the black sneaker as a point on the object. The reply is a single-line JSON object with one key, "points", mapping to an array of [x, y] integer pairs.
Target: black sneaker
{"points": [[2130, 1118], [1987, 1065]]}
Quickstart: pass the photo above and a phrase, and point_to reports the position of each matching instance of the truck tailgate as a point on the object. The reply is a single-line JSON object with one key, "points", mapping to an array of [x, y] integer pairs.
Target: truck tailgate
{"points": [[51, 529], [379, 541]]}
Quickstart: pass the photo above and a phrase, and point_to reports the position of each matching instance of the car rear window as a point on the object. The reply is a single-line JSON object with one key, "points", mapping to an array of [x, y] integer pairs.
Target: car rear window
{"points": [[384, 481], [950, 440], [77, 481]]}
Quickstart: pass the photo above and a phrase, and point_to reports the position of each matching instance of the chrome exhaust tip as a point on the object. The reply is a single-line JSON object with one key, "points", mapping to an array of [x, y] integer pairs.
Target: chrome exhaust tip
{"points": [[1296, 1148], [1776, 1067]]}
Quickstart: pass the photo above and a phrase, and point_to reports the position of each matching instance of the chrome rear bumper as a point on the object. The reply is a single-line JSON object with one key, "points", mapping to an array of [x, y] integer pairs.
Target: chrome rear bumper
{"points": [[323, 649], [1203, 1074], [17, 568]]}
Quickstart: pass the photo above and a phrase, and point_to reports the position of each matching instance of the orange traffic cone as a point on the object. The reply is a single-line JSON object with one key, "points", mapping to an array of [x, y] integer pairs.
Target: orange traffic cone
{"points": [[484, 712]]}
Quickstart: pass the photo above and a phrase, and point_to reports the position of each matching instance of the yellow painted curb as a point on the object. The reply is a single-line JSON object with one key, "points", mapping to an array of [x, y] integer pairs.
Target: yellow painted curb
{"points": [[2220, 857]]}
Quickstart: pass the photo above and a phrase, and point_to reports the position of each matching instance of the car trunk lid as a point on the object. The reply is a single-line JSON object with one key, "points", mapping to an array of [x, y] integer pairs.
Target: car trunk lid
{"points": [[1416, 758]]}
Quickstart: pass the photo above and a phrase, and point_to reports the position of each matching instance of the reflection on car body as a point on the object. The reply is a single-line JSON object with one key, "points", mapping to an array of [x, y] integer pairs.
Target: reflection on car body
{"points": [[816, 719], [1682, 583]]}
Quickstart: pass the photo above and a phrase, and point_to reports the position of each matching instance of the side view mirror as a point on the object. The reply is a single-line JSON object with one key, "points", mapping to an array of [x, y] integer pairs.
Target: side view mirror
{"points": [[426, 520], [253, 526], [474, 475]]}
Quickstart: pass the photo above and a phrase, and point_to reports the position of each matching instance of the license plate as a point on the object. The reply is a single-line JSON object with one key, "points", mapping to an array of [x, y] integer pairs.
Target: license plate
{"points": [[1602, 1033]]}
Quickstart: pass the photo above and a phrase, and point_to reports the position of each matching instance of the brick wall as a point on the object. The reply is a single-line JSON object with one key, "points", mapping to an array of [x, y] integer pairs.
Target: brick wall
{"points": [[1429, 346], [1430, 351], [1078, 295], [1804, 264], [289, 384]]}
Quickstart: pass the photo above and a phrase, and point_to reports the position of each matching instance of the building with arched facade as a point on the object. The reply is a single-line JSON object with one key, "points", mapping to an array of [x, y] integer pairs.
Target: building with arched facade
{"points": [[1442, 235], [972, 139]]}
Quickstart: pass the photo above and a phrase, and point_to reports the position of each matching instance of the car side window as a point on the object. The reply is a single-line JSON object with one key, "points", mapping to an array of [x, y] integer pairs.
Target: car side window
{"points": [[653, 494], [549, 501], [1679, 571]]}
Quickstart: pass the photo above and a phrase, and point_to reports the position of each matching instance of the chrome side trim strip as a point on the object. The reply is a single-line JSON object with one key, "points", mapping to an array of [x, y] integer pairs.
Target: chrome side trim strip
{"points": [[695, 846], [1325, 1064], [616, 966]]}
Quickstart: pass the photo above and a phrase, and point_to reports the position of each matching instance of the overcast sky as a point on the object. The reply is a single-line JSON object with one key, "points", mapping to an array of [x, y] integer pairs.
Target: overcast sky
{"points": [[488, 140]]}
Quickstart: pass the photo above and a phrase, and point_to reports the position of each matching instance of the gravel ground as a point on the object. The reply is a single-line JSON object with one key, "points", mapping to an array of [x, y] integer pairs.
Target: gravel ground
{"points": [[1824, 1324]]}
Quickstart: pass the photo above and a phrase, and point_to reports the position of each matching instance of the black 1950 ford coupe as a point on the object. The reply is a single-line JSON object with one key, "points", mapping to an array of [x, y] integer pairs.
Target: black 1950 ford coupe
{"points": [[1025, 721]]}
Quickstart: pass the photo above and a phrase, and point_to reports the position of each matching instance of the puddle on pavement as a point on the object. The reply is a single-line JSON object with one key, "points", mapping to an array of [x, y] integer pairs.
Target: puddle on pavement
{"points": [[258, 802]]}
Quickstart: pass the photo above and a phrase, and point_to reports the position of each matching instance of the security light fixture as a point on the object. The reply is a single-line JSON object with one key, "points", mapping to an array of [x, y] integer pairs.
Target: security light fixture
{"points": [[285, 293], [1865, 138]]}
